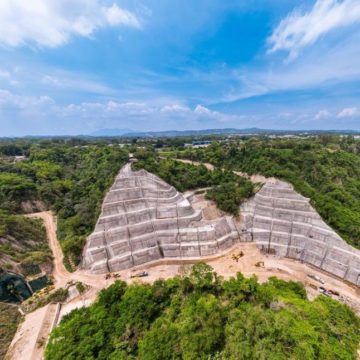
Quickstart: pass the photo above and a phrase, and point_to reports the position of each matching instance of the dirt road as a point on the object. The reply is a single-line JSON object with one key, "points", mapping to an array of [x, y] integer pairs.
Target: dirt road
{"points": [[256, 178], [60, 273], [284, 268], [26, 346], [24, 343], [32, 334]]}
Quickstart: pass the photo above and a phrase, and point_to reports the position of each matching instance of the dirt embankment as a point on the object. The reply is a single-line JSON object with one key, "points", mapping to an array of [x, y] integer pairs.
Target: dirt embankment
{"points": [[60, 273], [256, 178], [32, 334]]}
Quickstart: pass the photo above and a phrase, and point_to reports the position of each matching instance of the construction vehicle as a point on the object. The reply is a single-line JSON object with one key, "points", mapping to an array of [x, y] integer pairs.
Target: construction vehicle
{"points": [[316, 278], [237, 256], [140, 274]]}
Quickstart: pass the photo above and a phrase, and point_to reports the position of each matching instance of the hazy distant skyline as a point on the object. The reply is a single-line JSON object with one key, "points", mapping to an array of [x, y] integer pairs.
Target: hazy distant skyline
{"points": [[76, 66]]}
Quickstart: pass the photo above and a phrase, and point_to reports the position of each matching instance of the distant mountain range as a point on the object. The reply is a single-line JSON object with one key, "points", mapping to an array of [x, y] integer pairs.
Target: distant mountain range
{"points": [[111, 132], [129, 133], [226, 131]]}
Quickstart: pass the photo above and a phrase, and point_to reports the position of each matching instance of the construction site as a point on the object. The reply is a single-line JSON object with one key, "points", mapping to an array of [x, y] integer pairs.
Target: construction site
{"points": [[148, 230], [143, 219]]}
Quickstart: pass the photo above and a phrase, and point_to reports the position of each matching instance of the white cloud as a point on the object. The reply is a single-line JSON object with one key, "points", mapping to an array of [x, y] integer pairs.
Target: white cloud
{"points": [[117, 16], [349, 112], [22, 115], [325, 67], [68, 80], [299, 30], [322, 114], [205, 113], [51, 23], [51, 80], [129, 108], [202, 110], [11, 100], [175, 108]]}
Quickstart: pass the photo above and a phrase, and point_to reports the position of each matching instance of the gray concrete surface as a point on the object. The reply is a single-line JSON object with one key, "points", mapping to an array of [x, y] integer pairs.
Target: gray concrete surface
{"points": [[144, 219], [281, 221]]}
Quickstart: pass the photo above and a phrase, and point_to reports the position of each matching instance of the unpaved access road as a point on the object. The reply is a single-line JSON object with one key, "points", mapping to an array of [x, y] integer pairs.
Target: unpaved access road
{"points": [[223, 264], [26, 346], [60, 274], [284, 268], [256, 178]]}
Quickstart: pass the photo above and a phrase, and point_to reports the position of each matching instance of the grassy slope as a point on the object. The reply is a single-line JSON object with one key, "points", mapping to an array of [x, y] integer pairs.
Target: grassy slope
{"points": [[9, 321], [23, 244]]}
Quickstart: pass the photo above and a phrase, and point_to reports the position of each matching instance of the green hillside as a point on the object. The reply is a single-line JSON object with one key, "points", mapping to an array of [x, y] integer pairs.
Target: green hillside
{"points": [[71, 180], [202, 316], [23, 244], [224, 187], [325, 169]]}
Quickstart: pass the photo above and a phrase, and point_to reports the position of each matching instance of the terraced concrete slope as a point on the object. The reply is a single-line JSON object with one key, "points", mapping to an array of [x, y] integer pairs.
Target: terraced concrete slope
{"points": [[144, 219], [283, 222]]}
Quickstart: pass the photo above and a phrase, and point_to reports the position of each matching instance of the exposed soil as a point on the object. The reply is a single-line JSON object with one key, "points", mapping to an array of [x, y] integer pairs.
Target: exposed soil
{"points": [[256, 178], [32, 334]]}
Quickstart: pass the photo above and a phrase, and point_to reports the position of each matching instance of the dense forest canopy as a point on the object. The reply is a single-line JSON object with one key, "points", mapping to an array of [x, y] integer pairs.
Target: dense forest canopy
{"points": [[69, 179], [199, 315], [202, 316], [324, 169]]}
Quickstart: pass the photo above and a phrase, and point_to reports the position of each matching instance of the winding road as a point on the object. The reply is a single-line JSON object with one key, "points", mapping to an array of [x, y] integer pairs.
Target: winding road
{"points": [[256, 178], [37, 325], [60, 274]]}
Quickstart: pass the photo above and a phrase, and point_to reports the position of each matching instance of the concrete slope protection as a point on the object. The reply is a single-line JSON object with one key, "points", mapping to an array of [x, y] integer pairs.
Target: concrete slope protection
{"points": [[144, 219], [282, 222]]}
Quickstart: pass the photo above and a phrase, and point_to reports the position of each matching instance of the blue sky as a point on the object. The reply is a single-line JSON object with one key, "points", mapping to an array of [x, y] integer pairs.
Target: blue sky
{"points": [[76, 66]]}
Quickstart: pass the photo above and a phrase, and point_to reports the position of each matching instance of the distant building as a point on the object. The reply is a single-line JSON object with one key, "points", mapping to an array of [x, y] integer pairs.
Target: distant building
{"points": [[199, 144], [18, 158]]}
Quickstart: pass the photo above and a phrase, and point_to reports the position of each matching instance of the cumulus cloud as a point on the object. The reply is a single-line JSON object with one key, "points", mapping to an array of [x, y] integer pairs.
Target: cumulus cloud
{"points": [[175, 109], [51, 23], [299, 30], [52, 117], [117, 16], [348, 112], [10, 100], [322, 114], [202, 110]]}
